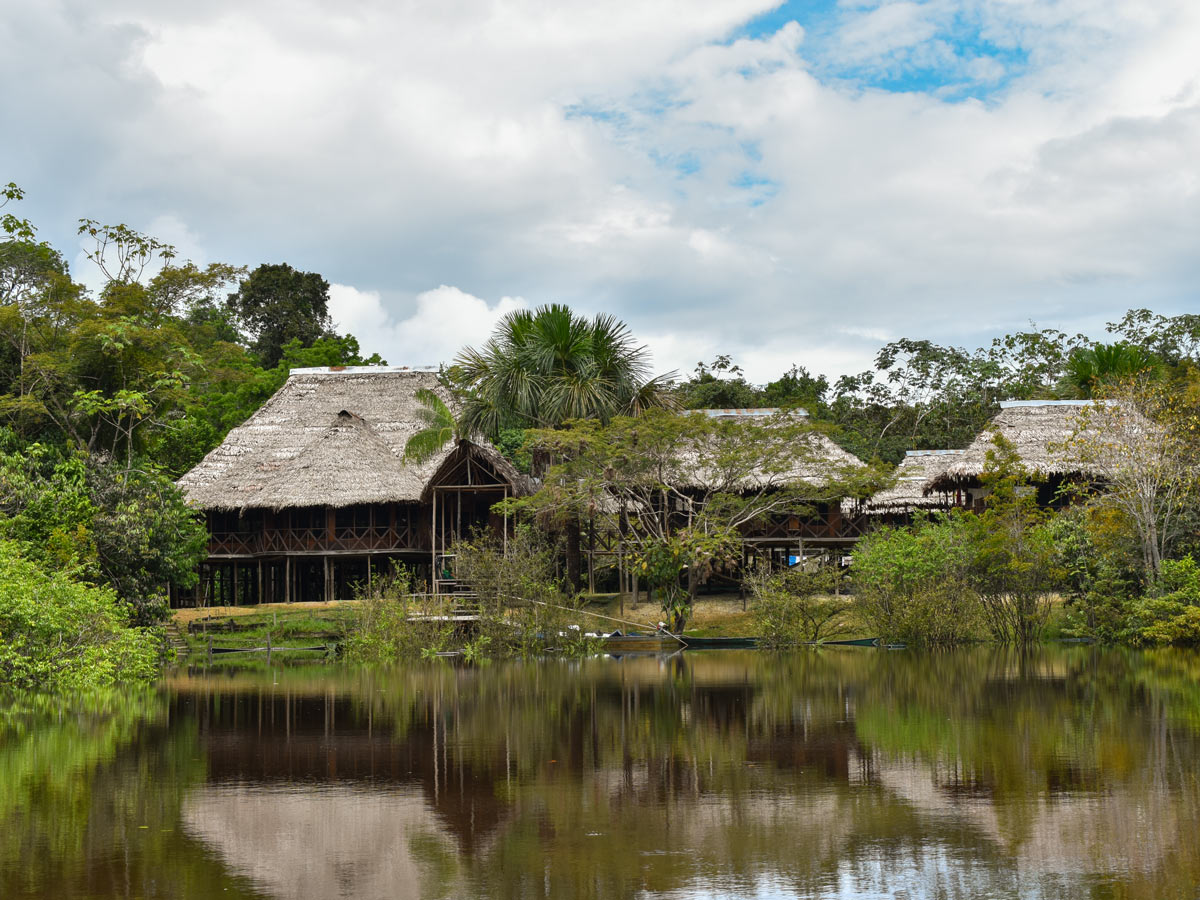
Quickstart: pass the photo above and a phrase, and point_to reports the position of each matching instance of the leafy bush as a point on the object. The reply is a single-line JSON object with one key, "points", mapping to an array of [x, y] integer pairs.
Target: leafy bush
{"points": [[128, 529], [516, 605], [1099, 569], [797, 605], [392, 623], [59, 634], [911, 584], [521, 608], [1173, 616], [1014, 563]]}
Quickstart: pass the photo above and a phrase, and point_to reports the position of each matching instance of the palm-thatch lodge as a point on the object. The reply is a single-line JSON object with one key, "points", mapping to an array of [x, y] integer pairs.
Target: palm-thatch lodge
{"points": [[312, 494], [823, 524], [914, 490], [832, 525], [1040, 432]]}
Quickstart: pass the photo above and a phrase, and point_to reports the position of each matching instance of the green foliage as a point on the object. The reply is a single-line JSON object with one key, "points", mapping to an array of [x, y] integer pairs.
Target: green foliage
{"points": [[913, 584], [511, 443], [18, 229], [128, 529], [544, 367], [696, 552], [515, 604], [718, 385], [57, 633], [438, 427], [798, 605], [1172, 615], [391, 622], [1146, 441], [522, 608], [721, 384], [1099, 568], [276, 304], [1088, 368], [1015, 567]]}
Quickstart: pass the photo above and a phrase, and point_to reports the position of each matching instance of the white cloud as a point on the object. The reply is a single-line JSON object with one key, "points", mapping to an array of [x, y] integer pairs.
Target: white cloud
{"points": [[444, 320]]}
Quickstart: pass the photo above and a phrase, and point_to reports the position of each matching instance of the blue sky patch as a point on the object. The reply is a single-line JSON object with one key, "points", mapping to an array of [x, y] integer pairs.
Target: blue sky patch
{"points": [[758, 187], [956, 58]]}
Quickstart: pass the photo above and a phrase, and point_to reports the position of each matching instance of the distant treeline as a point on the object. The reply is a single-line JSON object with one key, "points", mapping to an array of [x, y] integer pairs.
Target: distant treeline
{"points": [[926, 396]]}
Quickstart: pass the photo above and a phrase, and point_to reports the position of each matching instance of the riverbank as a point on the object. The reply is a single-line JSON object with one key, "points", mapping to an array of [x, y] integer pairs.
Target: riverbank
{"points": [[309, 624]]}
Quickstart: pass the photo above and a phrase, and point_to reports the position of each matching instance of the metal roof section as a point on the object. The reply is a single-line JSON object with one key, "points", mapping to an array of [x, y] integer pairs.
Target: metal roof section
{"points": [[932, 452], [361, 370], [1013, 404], [762, 412]]}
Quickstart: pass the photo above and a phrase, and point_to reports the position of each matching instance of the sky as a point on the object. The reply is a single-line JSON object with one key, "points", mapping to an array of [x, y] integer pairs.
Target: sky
{"points": [[790, 183]]}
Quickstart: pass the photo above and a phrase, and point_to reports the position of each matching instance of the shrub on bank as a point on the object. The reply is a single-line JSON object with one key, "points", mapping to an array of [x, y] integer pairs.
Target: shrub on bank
{"points": [[1172, 614], [59, 634], [513, 606], [798, 605], [392, 623], [912, 585]]}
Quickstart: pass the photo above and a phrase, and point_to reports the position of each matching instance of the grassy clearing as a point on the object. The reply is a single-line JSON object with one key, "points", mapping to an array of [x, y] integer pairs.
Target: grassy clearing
{"points": [[714, 615]]}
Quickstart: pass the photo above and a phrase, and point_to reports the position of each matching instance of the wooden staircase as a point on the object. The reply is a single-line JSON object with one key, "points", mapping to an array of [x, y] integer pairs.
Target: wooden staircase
{"points": [[177, 642]]}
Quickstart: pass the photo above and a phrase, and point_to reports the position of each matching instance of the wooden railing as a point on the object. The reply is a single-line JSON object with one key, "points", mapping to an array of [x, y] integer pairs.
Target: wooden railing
{"points": [[372, 539], [829, 527]]}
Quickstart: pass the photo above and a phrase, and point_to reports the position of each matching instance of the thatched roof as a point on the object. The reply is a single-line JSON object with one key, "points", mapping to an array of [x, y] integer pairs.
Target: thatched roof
{"points": [[1038, 429], [914, 475], [821, 461], [329, 437]]}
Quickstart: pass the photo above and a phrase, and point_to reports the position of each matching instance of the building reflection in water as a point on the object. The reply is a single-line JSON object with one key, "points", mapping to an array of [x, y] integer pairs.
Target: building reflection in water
{"points": [[816, 774]]}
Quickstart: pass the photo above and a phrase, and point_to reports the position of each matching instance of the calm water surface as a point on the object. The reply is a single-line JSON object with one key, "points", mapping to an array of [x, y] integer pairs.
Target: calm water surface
{"points": [[833, 773]]}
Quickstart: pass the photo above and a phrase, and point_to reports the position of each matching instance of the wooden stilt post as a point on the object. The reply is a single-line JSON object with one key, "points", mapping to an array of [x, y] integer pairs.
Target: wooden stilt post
{"points": [[287, 579], [236, 578], [591, 556], [328, 579], [259, 598], [433, 536]]}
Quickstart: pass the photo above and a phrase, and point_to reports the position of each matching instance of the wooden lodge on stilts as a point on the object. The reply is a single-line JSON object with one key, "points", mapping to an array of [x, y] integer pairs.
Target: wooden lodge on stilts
{"points": [[312, 496], [821, 527]]}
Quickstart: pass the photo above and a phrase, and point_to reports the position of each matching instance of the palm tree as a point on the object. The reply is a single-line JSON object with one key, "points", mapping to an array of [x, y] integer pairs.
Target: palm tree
{"points": [[543, 368], [1089, 367], [439, 428]]}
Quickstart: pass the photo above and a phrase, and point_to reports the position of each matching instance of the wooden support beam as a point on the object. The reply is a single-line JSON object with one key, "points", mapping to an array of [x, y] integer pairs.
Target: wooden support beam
{"points": [[433, 572], [591, 555]]}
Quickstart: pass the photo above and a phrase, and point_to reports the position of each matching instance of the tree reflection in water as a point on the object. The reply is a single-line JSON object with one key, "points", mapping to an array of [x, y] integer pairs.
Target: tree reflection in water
{"points": [[1062, 773]]}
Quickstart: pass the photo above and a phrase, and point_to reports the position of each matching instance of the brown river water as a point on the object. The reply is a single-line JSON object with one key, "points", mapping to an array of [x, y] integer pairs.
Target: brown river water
{"points": [[1070, 772]]}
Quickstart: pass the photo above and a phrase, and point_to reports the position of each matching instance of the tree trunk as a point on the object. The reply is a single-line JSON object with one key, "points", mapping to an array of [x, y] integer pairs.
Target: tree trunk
{"points": [[574, 555]]}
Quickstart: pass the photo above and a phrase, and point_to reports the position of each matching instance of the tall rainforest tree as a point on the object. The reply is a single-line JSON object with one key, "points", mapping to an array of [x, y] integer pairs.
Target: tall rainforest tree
{"points": [[277, 304], [543, 368]]}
